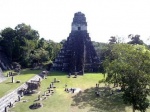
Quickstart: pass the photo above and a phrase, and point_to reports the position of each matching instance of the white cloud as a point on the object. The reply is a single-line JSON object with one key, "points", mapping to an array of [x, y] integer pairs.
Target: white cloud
{"points": [[52, 18]]}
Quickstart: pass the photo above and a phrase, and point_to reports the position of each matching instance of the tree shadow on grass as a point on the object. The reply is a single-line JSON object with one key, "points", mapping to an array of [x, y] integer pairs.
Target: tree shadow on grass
{"points": [[103, 103], [29, 71], [57, 73]]}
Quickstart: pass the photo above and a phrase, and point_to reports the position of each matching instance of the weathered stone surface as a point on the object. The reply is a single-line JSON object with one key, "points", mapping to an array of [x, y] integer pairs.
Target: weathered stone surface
{"points": [[79, 22], [2, 78], [13, 96], [78, 54], [5, 63]]}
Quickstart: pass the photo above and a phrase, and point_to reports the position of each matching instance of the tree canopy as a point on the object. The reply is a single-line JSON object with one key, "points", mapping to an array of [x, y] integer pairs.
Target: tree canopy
{"points": [[128, 66], [24, 45], [135, 39]]}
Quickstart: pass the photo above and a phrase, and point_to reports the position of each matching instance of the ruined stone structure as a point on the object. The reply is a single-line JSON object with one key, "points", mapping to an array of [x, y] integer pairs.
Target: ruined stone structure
{"points": [[14, 96], [78, 54]]}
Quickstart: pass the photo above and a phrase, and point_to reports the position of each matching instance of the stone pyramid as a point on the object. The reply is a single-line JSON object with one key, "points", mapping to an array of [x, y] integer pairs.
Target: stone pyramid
{"points": [[78, 54]]}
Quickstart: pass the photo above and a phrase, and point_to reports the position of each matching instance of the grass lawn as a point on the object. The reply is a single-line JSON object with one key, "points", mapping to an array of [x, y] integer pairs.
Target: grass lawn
{"points": [[6, 86], [85, 101]]}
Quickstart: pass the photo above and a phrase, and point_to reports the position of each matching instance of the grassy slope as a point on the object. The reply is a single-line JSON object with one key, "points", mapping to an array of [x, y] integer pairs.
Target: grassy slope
{"points": [[86, 101], [60, 101], [7, 86]]}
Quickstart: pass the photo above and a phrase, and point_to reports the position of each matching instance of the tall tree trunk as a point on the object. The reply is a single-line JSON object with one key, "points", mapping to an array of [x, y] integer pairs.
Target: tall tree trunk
{"points": [[133, 108]]}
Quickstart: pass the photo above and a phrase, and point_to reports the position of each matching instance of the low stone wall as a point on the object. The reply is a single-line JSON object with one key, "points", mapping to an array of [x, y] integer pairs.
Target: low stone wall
{"points": [[13, 96]]}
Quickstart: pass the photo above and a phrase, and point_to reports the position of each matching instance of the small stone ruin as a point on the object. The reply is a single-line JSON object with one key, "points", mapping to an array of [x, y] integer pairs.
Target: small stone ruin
{"points": [[32, 87], [44, 74]]}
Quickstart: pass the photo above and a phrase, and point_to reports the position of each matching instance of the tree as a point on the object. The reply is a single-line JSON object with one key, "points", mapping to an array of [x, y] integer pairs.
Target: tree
{"points": [[39, 56], [25, 42], [23, 45], [26, 31], [49, 48], [113, 40], [56, 48], [135, 39], [8, 36], [116, 39], [102, 50], [42, 43], [130, 69]]}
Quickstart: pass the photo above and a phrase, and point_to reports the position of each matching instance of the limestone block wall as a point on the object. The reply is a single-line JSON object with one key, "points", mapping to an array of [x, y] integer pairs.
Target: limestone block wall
{"points": [[76, 26], [13, 96]]}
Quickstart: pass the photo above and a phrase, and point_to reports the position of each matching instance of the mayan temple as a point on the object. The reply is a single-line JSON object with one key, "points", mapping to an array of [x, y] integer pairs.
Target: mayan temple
{"points": [[78, 54]]}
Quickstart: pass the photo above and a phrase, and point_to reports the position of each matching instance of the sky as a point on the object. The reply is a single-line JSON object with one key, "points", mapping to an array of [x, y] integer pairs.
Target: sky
{"points": [[53, 18]]}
